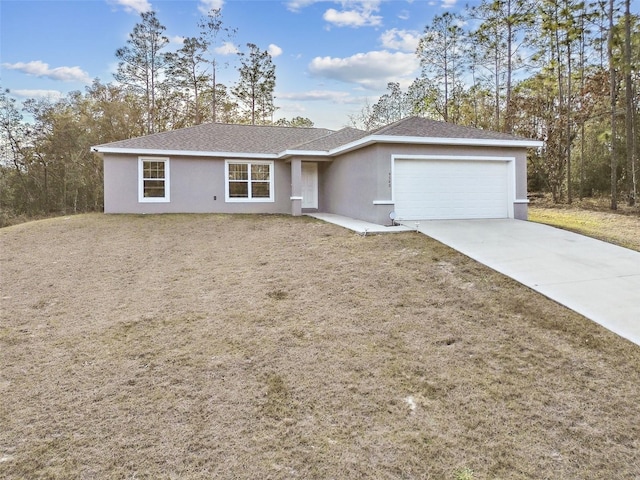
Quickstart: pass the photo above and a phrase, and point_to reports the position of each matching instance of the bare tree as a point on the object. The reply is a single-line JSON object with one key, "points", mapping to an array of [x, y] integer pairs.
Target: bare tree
{"points": [[213, 31]]}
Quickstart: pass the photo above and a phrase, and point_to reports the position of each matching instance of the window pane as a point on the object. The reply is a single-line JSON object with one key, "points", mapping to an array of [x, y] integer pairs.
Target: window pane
{"points": [[154, 188], [259, 172], [238, 171], [260, 189], [238, 189], [153, 169]]}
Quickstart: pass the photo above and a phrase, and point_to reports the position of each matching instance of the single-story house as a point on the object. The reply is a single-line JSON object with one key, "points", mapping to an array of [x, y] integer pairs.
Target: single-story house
{"points": [[417, 168]]}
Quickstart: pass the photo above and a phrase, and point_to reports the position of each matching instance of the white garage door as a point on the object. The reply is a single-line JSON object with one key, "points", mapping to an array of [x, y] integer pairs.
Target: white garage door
{"points": [[438, 189]]}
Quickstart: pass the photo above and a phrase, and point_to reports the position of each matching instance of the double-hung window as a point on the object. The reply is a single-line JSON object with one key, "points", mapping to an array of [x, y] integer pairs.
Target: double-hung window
{"points": [[249, 181], [153, 179]]}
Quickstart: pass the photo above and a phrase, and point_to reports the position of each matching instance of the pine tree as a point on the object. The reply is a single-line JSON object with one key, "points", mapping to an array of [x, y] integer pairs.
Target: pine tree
{"points": [[256, 85], [141, 62], [186, 73], [212, 31], [441, 53]]}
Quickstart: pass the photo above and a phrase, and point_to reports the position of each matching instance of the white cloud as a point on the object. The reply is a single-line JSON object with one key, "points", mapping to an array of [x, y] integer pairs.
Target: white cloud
{"points": [[274, 50], [207, 5], [448, 3], [350, 18], [333, 96], [360, 14], [326, 108], [228, 48], [177, 40], [133, 6], [38, 68], [53, 95], [296, 5], [291, 110], [353, 13], [405, 40], [372, 70]]}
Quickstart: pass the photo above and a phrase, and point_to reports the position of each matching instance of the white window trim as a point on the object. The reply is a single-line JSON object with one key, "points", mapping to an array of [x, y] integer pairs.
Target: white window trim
{"points": [[167, 176], [229, 199]]}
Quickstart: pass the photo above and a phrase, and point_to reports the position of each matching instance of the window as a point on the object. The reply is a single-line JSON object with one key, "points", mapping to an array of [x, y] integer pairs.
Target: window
{"points": [[153, 180], [249, 181]]}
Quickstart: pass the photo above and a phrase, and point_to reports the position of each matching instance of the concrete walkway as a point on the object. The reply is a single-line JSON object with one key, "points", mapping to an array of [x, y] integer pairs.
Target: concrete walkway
{"points": [[358, 226], [596, 279]]}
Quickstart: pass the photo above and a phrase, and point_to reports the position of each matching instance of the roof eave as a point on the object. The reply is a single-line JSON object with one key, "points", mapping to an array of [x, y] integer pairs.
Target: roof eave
{"points": [[363, 142], [303, 153], [475, 142], [181, 153]]}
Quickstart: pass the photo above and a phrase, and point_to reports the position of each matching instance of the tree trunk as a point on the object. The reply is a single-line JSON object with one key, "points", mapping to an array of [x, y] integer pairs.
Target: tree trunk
{"points": [[612, 89], [582, 116], [46, 187], [497, 98], [213, 101], [629, 116], [508, 116], [562, 101], [446, 87], [569, 197]]}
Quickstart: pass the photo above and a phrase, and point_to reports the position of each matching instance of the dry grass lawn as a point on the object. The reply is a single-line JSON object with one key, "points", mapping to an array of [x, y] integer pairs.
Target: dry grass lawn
{"points": [[273, 347], [592, 217]]}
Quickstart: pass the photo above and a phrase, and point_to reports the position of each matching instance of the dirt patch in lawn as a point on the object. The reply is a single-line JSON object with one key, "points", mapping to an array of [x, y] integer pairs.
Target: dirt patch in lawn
{"points": [[204, 346]]}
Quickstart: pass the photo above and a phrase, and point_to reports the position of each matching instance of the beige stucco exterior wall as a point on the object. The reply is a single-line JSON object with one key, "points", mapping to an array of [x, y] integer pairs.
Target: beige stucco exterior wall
{"points": [[197, 185], [349, 185], [358, 184]]}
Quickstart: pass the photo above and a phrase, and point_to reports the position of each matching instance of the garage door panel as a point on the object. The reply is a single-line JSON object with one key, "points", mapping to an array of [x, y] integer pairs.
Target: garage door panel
{"points": [[442, 189]]}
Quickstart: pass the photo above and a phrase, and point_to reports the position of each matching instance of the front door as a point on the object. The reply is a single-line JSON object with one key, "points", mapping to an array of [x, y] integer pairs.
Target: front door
{"points": [[309, 185]]}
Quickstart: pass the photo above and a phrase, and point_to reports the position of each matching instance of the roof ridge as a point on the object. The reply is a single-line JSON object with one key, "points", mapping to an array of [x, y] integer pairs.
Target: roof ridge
{"points": [[324, 137], [389, 126], [453, 129], [294, 147], [268, 126]]}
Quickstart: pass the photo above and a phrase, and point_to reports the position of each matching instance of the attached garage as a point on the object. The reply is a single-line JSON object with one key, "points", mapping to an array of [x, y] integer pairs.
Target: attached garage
{"points": [[450, 187], [417, 168]]}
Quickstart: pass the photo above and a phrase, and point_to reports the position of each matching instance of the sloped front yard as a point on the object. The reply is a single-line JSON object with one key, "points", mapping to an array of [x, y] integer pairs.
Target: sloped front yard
{"points": [[187, 346]]}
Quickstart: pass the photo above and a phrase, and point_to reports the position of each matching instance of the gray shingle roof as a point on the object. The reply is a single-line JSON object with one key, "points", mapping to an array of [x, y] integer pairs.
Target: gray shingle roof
{"points": [[423, 127], [213, 138], [219, 137], [334, 140]]}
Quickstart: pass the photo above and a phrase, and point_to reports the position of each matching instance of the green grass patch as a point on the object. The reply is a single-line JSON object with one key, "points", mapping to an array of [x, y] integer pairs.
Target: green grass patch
{"points": [[619, 229]]}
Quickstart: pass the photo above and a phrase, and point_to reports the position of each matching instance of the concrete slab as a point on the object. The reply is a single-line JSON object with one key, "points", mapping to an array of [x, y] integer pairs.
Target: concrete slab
{"points": [[359, 226], [596, 279]]}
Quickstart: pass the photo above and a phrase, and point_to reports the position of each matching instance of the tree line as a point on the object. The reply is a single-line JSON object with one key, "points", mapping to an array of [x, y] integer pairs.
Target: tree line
{"points": [[564, 71], [46, 166]]}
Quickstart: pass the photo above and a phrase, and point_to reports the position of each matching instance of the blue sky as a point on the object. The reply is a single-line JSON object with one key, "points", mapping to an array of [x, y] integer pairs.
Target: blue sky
{"points": [[331, 57]]}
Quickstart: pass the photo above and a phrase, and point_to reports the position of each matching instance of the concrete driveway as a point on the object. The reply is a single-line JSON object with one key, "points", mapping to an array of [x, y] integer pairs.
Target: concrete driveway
{"points": [[596, 279]]}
